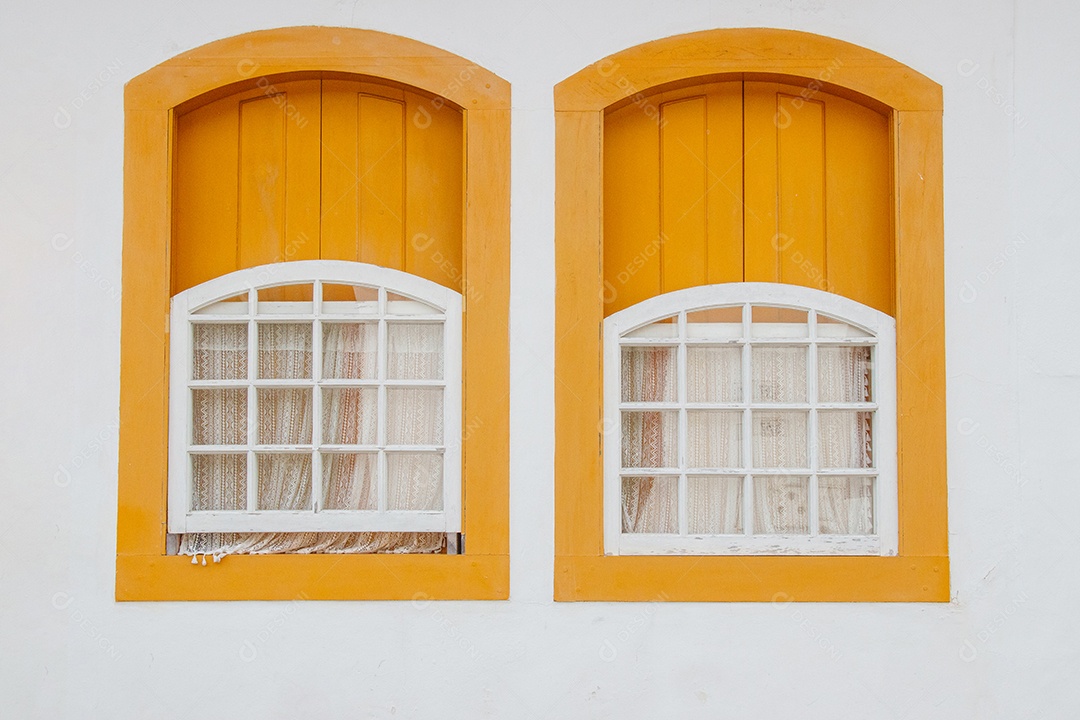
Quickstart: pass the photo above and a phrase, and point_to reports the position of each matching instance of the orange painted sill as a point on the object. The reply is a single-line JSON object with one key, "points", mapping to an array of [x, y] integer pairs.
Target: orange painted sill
{"points": [[313, 577], [751, 579]]}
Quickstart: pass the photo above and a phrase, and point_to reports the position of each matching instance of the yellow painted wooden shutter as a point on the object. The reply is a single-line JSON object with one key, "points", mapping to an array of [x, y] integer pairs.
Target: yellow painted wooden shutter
{"points": [[319, 168], [747, 181]]}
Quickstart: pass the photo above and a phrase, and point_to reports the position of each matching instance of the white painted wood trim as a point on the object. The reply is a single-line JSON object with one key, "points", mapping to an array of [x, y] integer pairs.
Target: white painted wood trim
{"points": [[180, 344], [452, 413], [426, 295], [329, 271], [750, 545], [880, 332], [611, 427], [324, 521]]}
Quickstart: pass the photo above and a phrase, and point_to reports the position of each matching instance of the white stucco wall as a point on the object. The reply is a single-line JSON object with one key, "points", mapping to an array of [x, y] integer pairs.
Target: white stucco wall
{"points": [[1006, 647]]}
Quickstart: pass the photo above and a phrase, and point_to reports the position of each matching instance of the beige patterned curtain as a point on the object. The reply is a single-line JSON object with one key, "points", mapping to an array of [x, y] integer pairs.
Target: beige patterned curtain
{"points": [[714, 440], [349, 417]]}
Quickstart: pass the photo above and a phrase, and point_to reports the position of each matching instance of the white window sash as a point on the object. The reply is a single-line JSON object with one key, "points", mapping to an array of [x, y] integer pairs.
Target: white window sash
{"points": [[181, 519], [881, 335]]}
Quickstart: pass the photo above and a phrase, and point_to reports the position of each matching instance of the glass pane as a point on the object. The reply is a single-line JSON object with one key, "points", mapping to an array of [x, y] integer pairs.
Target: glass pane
{"points": [[414, 481], [778, 322], [404, 305], [219, 482], [350, 416], [650, 439], [781, 505], [779, 439], [414, 351], [350, 300], [778, 374], [713, 374], [648, 374], [714, 439], [284, 482], [844, 374], [237, 305], [284, 350], [714, 505], [350, 481], [414, 416], [829, 327], [666, 328], [724, 323], [350, 350], [219, 352], [219, 416], [846, 505], [650, 505], [286, 300], [284, 416], [845, 439]]}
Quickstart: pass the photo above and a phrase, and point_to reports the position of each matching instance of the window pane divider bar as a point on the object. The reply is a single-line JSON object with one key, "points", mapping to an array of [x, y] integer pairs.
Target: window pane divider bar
{"points": [[316, 399], [217, 449], [289, 383], [646, 406], [680, 376], [252, 411], [382, 360], [673, 471], [283, 317], [427, 319], [747, 426]]}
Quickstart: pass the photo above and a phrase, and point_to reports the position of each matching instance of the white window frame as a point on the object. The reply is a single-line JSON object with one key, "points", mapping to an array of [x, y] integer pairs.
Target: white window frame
{"points": [[881, 329], [185, 305]]}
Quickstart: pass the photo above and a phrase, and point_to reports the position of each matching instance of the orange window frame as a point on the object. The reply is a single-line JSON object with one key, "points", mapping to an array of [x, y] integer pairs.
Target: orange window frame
{"points": [[920, 572], [143, 569]]}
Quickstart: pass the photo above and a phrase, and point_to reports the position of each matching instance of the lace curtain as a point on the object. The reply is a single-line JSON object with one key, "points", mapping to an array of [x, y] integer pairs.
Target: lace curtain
{"points": [[714, 440], [349, 417]]}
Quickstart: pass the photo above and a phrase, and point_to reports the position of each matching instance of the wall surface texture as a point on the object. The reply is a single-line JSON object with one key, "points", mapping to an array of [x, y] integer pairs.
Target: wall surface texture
{"points": [[1005, 647]]}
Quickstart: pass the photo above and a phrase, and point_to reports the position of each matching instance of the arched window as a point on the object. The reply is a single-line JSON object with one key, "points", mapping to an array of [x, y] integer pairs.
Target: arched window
{"points": [[750, 419], [298, 196], [715, 185]]}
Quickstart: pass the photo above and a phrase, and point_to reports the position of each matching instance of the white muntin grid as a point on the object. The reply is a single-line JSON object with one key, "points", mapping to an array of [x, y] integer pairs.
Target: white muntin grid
{"points": [[879, 331], [427, 303]]}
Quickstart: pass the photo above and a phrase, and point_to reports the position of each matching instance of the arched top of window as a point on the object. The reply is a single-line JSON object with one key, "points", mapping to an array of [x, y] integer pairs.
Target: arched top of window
{"points": [[838, 317], [355, 52], [751, 54], [350, 288]]}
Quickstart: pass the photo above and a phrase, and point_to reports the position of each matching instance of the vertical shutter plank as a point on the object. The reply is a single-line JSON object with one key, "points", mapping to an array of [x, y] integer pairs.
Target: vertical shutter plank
{"points": [[800, 151], [760, 241], [434, 137], [204, 194], [631, 210], [724, 223], [261, 221], [683, 189], [380, 185]]}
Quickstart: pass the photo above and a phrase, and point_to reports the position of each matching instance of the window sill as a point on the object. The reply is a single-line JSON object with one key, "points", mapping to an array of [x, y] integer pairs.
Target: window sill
{"points": [[313, 577], [751, 579]]}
